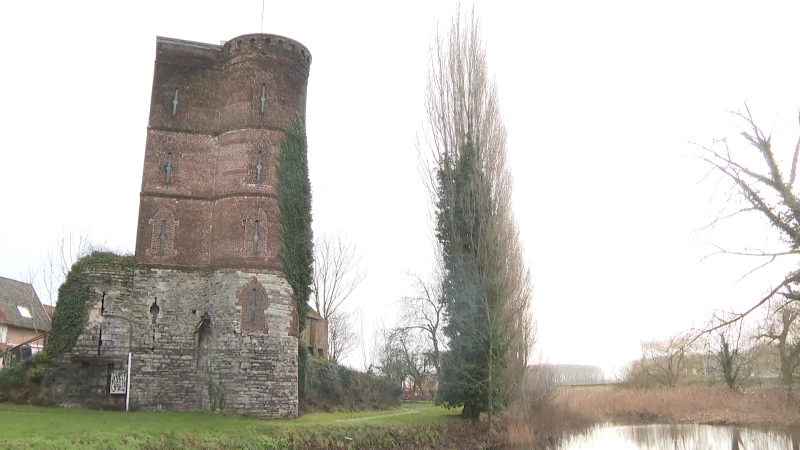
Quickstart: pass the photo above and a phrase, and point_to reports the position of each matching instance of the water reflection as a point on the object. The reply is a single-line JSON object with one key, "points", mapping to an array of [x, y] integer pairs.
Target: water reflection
{"points": [[679, 437]]}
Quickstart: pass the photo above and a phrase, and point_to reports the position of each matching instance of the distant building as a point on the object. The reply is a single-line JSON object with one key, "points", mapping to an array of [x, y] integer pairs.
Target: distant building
{"points": [[49, 309], [315, 335], [22, 317]]}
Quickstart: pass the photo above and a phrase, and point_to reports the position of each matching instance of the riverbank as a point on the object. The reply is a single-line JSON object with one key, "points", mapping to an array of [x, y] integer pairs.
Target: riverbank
{"points": [[757, 406], [577, 409], [418, 425]]}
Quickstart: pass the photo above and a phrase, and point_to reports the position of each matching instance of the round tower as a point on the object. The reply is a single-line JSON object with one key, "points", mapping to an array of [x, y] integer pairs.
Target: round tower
{"points": [[209, 296], [263, 86]]}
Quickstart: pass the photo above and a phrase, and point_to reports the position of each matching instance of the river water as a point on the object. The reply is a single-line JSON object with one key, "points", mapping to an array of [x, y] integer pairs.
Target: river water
{"points": [[678, 437]]}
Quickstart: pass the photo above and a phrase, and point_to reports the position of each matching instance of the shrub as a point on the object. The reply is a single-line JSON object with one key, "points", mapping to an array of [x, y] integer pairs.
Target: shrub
{"points": [[37, 374], [330, 386], [12, 378]]}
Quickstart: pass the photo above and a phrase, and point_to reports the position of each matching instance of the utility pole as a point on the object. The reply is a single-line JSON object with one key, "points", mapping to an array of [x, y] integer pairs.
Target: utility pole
{"points": [[130, 347]]}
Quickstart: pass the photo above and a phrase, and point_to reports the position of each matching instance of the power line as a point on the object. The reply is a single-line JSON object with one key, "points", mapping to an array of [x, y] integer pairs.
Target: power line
{"points": [[262, 16]]}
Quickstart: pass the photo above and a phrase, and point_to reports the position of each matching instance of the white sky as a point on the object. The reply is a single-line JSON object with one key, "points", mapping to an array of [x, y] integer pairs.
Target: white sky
{"points": [[598, 98]]}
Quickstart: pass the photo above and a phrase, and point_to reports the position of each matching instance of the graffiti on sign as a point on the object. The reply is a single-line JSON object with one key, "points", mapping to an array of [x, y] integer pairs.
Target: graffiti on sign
{"points": [[118, 382]]}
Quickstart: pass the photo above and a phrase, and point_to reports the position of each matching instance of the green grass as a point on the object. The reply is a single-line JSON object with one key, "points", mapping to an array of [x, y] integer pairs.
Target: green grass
{"points": [[32, 427]]}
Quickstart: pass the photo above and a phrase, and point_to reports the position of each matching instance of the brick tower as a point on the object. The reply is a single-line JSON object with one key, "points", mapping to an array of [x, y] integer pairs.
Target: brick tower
{"points": [[210, 305]]}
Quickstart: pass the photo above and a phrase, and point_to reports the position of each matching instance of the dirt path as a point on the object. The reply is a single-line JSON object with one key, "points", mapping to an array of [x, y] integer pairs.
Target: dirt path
{"points": [[411, 411]]}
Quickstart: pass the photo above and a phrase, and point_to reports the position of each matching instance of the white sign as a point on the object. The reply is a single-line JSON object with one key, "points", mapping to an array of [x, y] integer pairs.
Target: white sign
{"points": [[118, 382]]}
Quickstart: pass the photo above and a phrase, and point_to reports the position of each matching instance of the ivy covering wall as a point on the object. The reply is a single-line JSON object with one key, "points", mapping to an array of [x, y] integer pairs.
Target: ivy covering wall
{"points": [[294, 215], [71, 310]]}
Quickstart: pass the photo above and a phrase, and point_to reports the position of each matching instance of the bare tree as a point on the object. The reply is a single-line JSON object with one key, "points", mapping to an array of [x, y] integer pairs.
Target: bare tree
{"points": [[343, 337], [732, 350], [415, 356], [336, 276], [665, 361], [783, 329], [761, 183], [539, 389], [423, 311], [54, 265]]}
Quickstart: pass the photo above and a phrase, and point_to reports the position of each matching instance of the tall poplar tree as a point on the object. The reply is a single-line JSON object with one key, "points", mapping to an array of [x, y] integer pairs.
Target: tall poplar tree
{"points": [[486, 287]]}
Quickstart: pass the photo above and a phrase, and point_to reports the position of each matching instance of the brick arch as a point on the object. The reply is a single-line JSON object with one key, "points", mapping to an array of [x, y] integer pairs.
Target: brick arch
{"points": [[250, 249], [162, 220], [252, 302]]}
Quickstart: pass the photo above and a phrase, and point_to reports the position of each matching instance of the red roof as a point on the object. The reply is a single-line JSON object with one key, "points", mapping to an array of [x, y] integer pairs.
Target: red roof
{"points": [[49, 309]]}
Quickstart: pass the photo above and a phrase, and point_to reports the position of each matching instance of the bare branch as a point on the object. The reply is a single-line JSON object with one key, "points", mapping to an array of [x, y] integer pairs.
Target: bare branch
{"points": [[336, 272]]}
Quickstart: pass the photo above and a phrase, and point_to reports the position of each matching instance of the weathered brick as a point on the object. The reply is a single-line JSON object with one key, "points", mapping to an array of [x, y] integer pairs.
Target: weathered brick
{"points": [[225, 313]]}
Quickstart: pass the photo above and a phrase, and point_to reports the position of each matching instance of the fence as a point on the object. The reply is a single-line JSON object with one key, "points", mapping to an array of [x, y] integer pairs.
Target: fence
{"points": [[20, 352]]}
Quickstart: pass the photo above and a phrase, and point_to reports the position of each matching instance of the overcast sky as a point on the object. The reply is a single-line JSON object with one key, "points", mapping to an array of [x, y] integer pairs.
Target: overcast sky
{"points": [[599, 99]]}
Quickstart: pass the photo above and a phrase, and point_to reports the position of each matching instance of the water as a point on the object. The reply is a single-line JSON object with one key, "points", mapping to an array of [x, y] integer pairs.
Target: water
{"points": [[679, 437]]}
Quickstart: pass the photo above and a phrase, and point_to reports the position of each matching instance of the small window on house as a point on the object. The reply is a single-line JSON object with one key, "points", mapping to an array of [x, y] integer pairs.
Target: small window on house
{"points": [[319, 352], [24, 312]]}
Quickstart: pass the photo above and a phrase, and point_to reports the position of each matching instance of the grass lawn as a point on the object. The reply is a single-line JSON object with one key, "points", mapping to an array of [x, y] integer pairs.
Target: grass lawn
{"points": [[37, 427]]}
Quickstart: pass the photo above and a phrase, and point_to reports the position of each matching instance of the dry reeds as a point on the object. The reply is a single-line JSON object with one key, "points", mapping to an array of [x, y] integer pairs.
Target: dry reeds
{"points": [[756, 406]]}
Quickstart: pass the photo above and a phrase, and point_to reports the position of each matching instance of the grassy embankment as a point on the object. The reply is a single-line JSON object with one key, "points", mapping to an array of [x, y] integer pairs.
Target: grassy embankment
{"points": [[418, 425]]}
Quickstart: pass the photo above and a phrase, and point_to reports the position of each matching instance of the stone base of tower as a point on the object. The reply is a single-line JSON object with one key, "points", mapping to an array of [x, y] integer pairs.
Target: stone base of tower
{"points": [[215, 341]]}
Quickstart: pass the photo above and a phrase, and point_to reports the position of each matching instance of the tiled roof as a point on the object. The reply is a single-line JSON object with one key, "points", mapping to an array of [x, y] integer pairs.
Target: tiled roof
{"points": [[49, 309], [15, 294]]}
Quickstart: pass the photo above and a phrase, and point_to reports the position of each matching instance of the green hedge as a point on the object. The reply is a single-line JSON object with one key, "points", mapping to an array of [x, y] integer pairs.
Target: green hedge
{"points": [[330, 386], [19, 380]]}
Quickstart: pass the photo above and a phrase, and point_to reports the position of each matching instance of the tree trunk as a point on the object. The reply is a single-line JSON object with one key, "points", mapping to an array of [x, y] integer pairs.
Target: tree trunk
{"points": [[491, 380]]}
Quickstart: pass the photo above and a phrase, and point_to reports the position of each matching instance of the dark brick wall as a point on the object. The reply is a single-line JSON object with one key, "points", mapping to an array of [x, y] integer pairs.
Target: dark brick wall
{"points": [[215, 135], [193, 164], [232, 236], [188, 231]]}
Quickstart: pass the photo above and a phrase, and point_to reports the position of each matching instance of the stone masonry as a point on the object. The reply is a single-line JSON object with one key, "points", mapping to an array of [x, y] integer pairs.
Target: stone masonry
{"points": [[206, 311]]}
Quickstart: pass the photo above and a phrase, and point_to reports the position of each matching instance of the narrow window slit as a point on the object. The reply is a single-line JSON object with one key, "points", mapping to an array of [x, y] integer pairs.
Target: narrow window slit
{"points": [[255, 237], [263, 96], [168, 169], [154, 310], [162, 238], [175, 102], [259, 167]]}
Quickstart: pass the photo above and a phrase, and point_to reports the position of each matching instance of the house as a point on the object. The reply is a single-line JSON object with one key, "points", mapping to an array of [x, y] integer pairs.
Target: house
{"points": [[315, 335], [50, 310], [23, 319]]}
